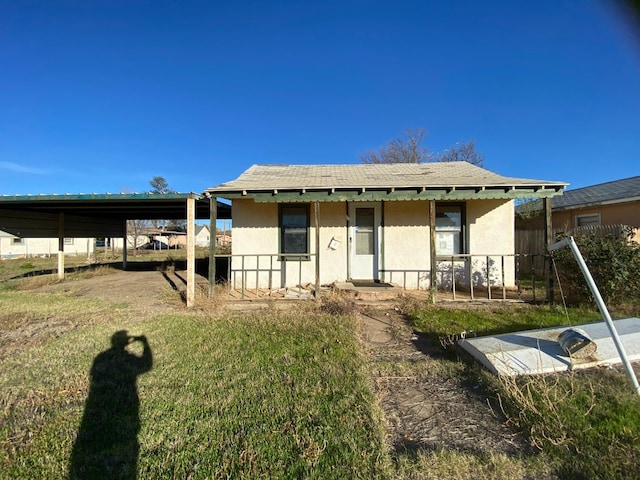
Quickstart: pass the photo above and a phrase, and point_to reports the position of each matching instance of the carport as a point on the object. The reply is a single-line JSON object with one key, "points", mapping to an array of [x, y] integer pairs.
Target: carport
{"points": [[106, 215]]}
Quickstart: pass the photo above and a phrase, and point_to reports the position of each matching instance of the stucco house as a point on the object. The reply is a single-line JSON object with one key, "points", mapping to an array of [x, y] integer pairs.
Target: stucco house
{"points": [[412, 225]]}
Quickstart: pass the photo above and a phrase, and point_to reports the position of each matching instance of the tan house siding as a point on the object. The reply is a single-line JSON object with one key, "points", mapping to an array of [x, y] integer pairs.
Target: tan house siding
{"points": [[615, 214]]}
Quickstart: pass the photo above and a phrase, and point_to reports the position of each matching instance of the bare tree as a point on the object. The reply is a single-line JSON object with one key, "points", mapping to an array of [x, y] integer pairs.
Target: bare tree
{"points": [[462, 152], [409, 149], [405, 149]]}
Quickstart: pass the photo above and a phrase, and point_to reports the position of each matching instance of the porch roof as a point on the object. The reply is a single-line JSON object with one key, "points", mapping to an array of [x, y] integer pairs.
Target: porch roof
{"points": [[366, 182]]}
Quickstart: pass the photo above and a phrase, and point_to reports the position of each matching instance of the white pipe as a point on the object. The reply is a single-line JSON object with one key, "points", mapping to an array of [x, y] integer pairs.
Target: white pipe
{"points": [[601, 305]]}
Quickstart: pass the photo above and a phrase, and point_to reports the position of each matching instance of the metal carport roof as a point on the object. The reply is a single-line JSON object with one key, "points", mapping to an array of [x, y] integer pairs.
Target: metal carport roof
{"points": [[95, 215]]}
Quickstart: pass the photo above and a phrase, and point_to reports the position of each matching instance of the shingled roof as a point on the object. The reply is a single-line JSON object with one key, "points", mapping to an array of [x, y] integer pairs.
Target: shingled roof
{"points": [[617, 191], [399, 181]]}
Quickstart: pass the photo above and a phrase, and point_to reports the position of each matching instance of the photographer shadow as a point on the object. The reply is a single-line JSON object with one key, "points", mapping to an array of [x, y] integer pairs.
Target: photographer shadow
{"points": [[107, 442]]}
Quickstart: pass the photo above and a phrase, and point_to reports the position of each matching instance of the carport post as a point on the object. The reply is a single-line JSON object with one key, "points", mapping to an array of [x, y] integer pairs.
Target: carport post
{"points": [[213, 214], [191, 251], [124, 246], [61, 245]]}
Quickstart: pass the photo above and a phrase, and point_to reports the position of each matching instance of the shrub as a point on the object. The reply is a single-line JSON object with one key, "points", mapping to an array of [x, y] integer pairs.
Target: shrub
{"points": [[613, 260]]}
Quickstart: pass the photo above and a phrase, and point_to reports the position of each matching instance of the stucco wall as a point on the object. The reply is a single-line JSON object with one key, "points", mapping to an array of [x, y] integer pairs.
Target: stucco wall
{"points": [[255, 232], [405, 259], [491, 232], [406, 238]]}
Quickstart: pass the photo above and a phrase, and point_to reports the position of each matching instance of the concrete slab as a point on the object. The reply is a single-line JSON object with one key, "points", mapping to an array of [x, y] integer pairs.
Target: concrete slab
{"points": [[538, 351]]}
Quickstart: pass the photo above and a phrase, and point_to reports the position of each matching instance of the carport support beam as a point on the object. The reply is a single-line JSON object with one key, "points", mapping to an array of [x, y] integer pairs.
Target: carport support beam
{"points": [[191, 252], [61, 246], [124, 246], [213, 214]]}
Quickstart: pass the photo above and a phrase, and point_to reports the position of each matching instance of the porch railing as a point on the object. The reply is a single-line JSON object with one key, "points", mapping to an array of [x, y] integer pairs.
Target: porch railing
{"points": [[486, 275], [488, 272], [249, 272]]}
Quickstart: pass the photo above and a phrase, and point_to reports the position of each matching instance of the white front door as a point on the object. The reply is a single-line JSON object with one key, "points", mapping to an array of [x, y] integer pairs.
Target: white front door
{"points": [[364, 241]]}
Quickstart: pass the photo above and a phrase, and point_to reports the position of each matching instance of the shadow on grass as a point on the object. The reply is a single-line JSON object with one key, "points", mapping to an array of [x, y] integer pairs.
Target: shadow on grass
{"points": [[106, 445]]}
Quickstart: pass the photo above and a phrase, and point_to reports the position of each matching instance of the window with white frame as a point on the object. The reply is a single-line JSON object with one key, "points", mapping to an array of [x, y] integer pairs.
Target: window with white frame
{"points": [[68, 241], [450, 222]]}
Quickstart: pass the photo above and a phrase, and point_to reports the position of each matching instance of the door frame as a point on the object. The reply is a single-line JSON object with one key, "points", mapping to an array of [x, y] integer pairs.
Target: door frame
{"points": [[378, 226]]}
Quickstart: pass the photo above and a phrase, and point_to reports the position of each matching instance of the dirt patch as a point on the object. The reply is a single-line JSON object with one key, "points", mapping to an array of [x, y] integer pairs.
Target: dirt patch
{"points": [[129, 295], [142, 293], [425, 408]]}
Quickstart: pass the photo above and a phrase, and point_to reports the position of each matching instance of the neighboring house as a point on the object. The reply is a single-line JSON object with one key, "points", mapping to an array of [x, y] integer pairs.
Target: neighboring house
{"points": [[610, 203], [203, 236], [139, 241], [16, 247], [606, 205], [385, 222], [223, 238]]}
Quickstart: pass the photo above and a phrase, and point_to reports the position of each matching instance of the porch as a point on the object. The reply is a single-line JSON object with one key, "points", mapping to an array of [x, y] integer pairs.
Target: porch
{"points": [[465, 277]]}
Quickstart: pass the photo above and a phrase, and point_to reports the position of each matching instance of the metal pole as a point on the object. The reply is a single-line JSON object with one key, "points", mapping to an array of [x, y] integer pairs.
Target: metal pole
{"points": [[603, 308]]}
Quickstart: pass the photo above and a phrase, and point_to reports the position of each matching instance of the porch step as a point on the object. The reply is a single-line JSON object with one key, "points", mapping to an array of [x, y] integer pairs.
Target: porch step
{"points": [[369, 290]]}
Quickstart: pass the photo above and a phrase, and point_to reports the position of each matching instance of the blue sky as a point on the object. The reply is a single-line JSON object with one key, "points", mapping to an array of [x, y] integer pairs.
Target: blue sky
{"points": [[100, 96]]}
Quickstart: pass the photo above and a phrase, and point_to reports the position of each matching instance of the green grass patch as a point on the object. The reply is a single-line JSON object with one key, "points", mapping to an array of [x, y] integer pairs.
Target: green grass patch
{"points": [[265, 396], [448, 324]]}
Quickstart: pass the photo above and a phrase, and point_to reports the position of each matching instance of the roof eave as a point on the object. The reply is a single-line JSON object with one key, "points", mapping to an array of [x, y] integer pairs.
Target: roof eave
{"points": [[438, 192]]}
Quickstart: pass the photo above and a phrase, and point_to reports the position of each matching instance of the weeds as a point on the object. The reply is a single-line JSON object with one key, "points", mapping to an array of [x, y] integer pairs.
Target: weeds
{"points": [[589, 421], [336, 303]]}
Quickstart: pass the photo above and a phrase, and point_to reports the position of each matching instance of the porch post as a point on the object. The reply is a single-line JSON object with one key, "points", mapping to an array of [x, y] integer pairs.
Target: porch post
{"points": [[432, 249], [213, 214], [61, 246], [548, 238], [191, 251], [317, 222]]}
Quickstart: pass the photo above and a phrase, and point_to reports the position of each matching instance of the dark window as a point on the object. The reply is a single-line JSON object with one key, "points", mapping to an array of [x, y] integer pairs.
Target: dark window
{"points": [[294, 229], [588, 220], [450, 222]]}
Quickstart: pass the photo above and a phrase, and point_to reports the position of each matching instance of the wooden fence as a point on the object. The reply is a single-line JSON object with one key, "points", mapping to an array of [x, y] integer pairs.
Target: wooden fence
{"points": [[532, 242]]}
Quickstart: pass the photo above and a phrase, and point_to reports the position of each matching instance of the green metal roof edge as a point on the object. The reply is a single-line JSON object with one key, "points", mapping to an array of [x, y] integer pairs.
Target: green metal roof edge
{"points": [[99, 196], [363, 194]]}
